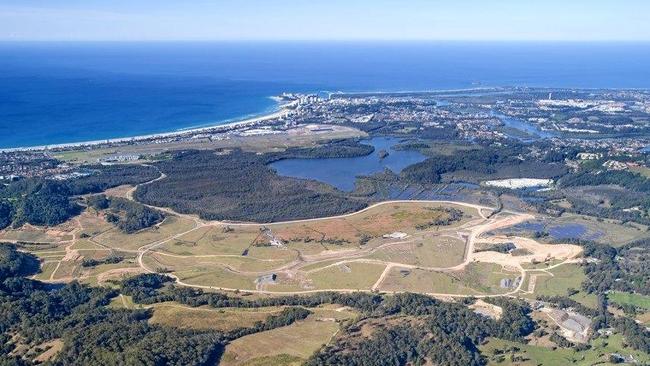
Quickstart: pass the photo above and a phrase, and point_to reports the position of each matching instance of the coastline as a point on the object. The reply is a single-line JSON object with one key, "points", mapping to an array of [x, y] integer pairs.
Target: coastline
{"points": [[282, 111]]}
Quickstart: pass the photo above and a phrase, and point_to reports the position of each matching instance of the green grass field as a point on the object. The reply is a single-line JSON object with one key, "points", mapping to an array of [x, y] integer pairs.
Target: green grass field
{"points": [[564, 277], [290, 345], [124, 302], [640, 301], [172, 225], [46, 271], [422, 281], [33, 235], [216, 277], [427, 251], [236, 263], [176, 315], [354, 276], [476, 279], [542, 356]]}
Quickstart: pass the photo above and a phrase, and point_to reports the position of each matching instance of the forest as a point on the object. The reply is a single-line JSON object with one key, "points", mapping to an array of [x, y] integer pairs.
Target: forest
{"points": [[332, 149], [621, 269], [94, 334], [127, 215], [239, 186], [632, 192], [446, 334], [48, 202], [449, 332], [487, 162]]}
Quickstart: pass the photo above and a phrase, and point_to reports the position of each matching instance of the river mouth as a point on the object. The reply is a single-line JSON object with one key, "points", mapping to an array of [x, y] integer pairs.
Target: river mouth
{"points": [[342, 172]]}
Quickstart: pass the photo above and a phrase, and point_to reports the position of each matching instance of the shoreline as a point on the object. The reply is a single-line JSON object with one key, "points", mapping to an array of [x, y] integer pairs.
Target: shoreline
{"points": [[282, 111]]}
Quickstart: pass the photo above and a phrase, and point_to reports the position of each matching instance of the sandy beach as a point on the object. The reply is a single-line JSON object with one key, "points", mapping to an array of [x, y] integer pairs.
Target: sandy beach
{"points": [[247, 122]]}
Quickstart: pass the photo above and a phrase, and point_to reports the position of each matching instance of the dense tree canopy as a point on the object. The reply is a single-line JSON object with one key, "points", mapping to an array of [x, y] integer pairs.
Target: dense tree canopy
{"points": [[239, 186]]}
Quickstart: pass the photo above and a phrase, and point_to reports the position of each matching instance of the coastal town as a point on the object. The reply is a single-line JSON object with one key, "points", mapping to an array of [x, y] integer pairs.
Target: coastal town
{"points": [[595, 122]]}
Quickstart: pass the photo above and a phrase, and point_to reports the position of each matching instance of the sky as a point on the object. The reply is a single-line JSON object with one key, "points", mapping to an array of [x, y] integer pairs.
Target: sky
{"points": [[234, 20]]}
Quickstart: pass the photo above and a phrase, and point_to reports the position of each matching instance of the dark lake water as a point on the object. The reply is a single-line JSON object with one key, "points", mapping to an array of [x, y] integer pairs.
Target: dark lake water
{"points": [[342, 172]]}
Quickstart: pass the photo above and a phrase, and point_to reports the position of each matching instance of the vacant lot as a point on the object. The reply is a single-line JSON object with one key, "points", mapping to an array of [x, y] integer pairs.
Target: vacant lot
{"points": [[475, 279], [354, 276], [176, 315], [235, 255], [114, 238], [31, 234], [244, 264], [558, 280], [46, 271], [427, 251], [289, 345], [216, 276]]}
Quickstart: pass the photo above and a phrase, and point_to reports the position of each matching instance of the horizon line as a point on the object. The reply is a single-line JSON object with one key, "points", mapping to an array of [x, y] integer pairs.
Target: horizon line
{"points": [[359, 40]]}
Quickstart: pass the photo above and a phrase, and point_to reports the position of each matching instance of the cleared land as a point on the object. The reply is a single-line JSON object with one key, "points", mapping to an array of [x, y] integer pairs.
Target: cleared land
{"points": [[556, 282], [395, 246], [531, 355], [176, 315], [290, 345]]}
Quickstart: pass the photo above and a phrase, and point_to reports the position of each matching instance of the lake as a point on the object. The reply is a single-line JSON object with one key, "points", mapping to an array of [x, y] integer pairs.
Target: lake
{"points": [[342, 172]]}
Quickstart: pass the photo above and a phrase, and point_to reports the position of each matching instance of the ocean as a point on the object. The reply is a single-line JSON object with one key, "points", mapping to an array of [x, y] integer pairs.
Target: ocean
{"points": [[53, 93]]}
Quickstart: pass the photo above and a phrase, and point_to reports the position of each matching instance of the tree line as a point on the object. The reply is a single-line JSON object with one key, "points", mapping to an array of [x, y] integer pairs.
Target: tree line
{"points": [[46, 202], [488, 161], [447, 333], [127, 215], [614, 269], [95, 334], [240, 186]]}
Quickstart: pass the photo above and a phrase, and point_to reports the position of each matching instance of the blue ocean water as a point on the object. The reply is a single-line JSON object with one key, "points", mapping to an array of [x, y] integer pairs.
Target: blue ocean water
{"points": [[68, 92]]}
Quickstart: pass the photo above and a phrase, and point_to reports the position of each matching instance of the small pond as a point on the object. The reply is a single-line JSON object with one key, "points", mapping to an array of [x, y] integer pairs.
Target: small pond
{"points": [[559, 231]]}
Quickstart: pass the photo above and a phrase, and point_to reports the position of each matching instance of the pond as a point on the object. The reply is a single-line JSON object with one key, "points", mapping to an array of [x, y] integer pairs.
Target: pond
{"points": [[342, 172], [574, 231], [567, 231], [559, 231]]}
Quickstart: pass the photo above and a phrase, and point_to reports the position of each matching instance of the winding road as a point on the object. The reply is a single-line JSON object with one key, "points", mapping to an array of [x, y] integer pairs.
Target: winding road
{"points": [[473, 232]]}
